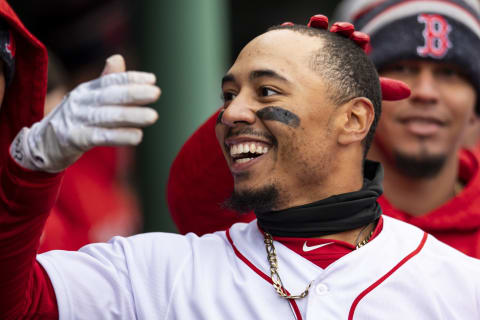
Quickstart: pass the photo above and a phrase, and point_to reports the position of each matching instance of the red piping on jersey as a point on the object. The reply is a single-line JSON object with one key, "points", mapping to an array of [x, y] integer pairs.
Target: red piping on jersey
{"points": [[388, 274], [261, 274]]}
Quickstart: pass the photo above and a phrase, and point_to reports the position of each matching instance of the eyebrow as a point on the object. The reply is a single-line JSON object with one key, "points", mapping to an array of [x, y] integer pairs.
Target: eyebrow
{"points": [[257, 74], [267, 73], [228, 78]]}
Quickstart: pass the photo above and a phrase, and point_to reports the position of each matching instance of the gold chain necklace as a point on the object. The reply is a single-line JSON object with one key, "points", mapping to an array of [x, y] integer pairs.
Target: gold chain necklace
{"points": [[272, 259], [277, 282]]}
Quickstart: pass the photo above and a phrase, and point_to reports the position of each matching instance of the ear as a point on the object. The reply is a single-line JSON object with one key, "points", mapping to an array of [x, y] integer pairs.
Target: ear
{"points": [[357, 118]]}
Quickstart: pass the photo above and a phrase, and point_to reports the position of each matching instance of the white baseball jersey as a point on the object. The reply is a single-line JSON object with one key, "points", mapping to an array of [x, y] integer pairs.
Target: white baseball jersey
{"points": [[401, 274]]}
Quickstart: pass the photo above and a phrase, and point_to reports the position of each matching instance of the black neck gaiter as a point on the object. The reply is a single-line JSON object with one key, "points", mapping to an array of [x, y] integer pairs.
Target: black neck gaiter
{"points": [[332, 215]]}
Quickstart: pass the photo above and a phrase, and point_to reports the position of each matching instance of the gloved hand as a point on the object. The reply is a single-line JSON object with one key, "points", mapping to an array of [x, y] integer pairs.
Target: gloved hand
{"points": [[103, 112]]}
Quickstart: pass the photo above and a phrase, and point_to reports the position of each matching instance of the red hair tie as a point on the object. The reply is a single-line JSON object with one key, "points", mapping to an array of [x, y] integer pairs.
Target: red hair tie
{"points": [[318, 21], [345, 29], [392, 90], [361, 39]]}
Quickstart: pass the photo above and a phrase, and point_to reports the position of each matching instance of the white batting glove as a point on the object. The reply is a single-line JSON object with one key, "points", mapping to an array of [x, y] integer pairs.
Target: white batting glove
{"points": [[103, 112]]}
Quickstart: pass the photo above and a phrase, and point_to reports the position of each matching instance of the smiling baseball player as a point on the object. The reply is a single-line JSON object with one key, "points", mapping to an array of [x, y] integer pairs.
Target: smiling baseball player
{"points": [[301, 105], [430, 181]]}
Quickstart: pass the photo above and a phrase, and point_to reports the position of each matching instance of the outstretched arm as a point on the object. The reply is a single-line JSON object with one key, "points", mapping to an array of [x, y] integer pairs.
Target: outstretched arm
{"points": [[106, 111]]}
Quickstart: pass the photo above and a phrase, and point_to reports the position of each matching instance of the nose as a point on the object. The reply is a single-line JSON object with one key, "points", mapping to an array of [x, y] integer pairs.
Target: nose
{"points": [[239, 111], [424, 89]]}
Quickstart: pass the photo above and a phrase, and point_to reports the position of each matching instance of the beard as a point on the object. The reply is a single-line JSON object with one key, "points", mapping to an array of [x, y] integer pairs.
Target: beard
{"points": [[422, 166], [257, 200]]}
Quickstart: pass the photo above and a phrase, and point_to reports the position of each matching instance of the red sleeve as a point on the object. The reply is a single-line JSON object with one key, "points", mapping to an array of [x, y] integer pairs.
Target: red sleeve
{"points": [[26, 197]]}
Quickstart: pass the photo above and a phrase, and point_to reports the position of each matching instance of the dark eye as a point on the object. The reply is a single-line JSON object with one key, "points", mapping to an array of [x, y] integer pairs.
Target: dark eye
{"points": [[448, 72], [228, 96], [266, 92]]}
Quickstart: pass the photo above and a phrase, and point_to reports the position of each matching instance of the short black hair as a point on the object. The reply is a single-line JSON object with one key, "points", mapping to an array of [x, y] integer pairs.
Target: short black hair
{"points": [[342, 62]]}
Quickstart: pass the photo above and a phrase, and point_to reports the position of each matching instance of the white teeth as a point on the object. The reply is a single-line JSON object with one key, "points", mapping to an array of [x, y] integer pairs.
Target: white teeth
{"points": [[243, 160], [247, 148]]}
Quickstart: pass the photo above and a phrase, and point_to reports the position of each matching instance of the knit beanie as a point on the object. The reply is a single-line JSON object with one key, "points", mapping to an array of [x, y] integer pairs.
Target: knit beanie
{"points": [[7, 52], [436, 30]]}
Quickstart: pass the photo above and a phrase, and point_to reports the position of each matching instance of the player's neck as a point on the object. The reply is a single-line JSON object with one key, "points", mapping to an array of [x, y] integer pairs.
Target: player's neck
{"points": [[420, 196]]}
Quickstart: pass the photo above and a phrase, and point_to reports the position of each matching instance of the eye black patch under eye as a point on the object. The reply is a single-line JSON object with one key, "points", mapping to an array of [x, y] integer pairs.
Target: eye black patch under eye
{"points": [[279, 114], [219, 117]]}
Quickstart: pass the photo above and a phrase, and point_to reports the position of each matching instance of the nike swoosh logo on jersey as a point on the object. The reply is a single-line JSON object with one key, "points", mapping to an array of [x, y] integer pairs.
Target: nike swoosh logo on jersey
{"points": [[307, 248]]}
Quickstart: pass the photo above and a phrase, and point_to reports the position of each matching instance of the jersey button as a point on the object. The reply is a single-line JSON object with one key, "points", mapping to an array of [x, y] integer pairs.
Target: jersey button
{"points": [[321, 289]]}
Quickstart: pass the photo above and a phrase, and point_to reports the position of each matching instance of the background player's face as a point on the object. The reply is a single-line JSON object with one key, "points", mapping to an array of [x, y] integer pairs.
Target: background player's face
{"points": [[276, 102], [433, 120]]}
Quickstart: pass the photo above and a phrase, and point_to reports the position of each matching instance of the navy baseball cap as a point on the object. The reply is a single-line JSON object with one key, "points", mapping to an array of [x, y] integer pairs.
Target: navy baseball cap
{"points": [[436, 30]]}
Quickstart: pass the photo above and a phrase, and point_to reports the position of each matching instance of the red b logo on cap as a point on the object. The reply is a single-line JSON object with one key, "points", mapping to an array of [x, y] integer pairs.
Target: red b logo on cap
{"points": [[436, 36]]}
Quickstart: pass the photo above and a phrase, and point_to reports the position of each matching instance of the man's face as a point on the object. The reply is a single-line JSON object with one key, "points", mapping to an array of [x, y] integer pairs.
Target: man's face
{"points": [[277, 104], [430, 124]]}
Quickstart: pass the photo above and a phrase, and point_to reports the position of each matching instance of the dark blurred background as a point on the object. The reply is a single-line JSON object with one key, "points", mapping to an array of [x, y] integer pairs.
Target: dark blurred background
{"points": [[188, 44]]}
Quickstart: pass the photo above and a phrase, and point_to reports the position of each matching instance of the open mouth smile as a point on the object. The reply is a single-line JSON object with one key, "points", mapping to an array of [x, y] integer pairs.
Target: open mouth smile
{"points": [[247, 151], [244, 153]]}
